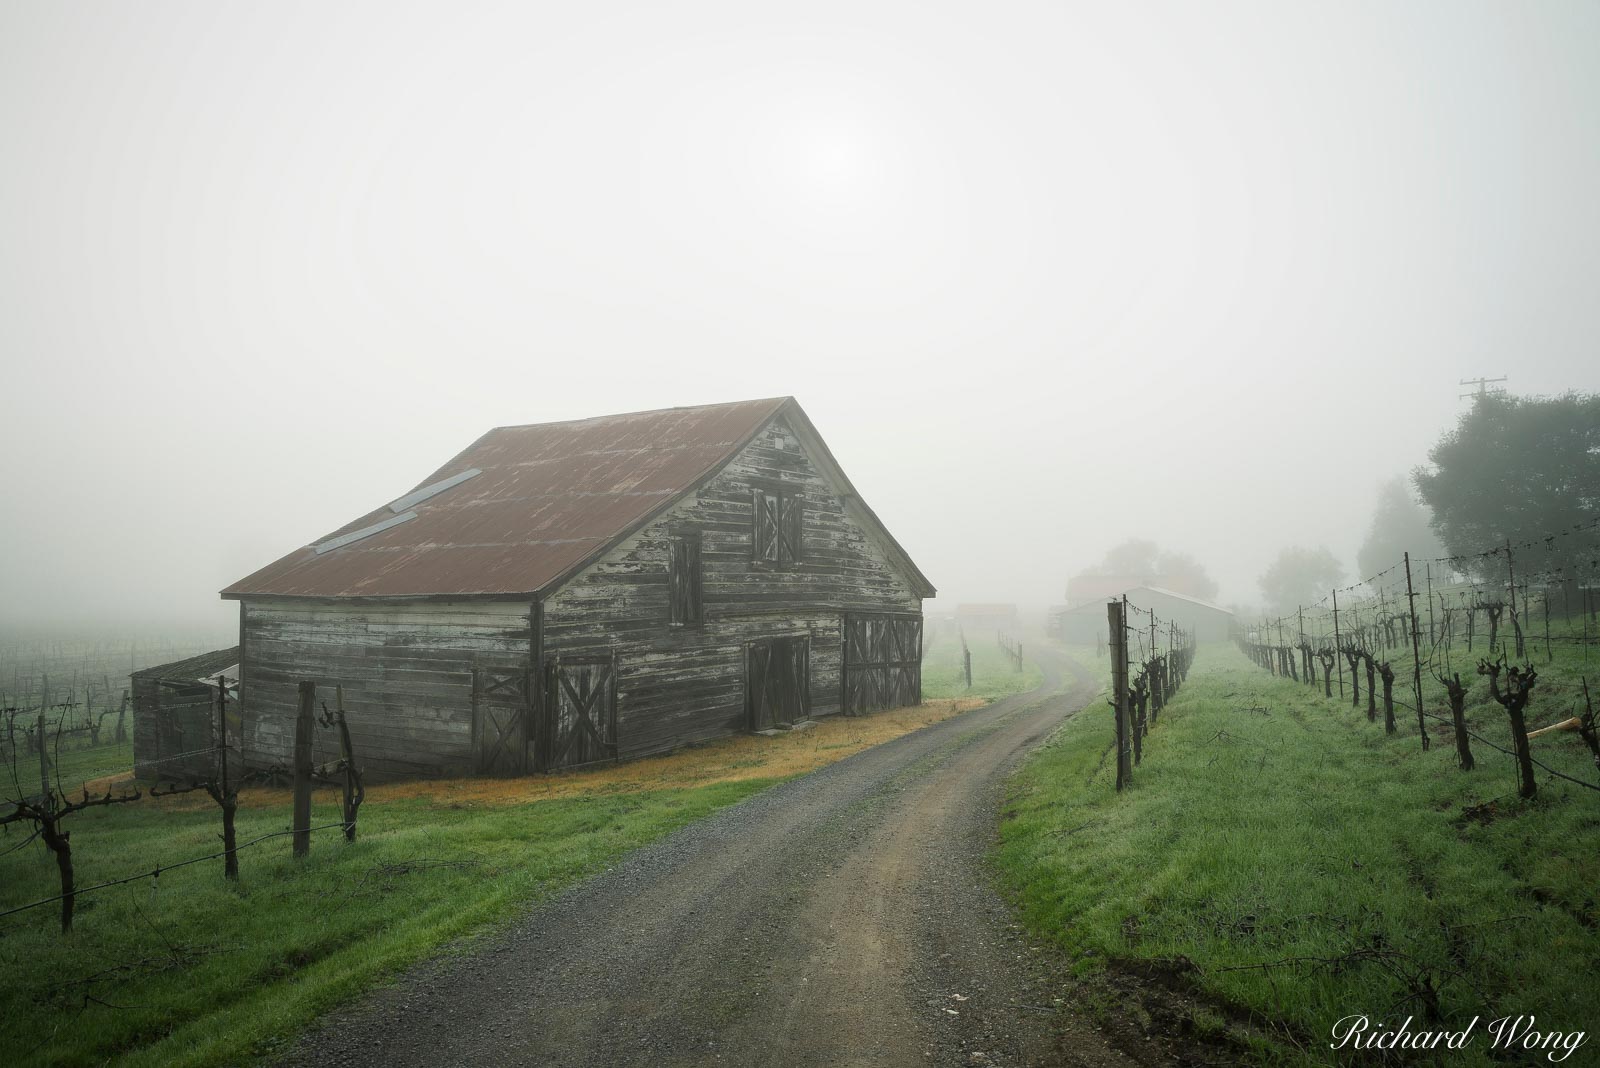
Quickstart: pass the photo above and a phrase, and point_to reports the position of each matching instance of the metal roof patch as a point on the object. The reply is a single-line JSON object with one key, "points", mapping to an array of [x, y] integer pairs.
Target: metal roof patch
{"points": [[418, 496], [364, 532]]}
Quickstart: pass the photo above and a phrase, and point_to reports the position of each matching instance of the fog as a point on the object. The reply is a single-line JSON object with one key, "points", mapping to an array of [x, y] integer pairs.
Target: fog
{"points": [[1045, 276]]}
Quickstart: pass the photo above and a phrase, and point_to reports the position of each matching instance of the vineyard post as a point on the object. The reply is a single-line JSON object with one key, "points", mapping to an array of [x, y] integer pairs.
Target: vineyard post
{"points": [[1157, 697], [225, 797], [1338, 646], [1305, 657], [1511, 567], [1432, 639], [1548, 655], [1416, 654], [301, 823], [1116, 620]]}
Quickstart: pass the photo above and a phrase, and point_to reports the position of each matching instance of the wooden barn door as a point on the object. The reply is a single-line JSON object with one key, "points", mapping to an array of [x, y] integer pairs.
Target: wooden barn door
{"points": [[580, 712], [882, 662], [500, 715], [778, 682]]}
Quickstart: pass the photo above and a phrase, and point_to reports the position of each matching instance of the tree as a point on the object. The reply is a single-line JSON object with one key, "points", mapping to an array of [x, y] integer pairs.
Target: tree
{"points": [[1519, 468], [1399, 525], [1134, 558], [1299, 576]]}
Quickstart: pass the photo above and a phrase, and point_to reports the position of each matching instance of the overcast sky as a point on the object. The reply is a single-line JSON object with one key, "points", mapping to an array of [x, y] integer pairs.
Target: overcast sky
{"points": [[1045, 275]]}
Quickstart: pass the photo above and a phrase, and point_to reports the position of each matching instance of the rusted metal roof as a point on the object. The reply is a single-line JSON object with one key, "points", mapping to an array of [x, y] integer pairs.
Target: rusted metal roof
{"points": [[550, 498]]}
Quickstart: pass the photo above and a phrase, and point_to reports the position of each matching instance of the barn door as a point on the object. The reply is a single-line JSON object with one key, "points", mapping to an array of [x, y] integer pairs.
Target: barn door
{"points": [[580, 712], [778, 682], [882, 662], [500, 716]]}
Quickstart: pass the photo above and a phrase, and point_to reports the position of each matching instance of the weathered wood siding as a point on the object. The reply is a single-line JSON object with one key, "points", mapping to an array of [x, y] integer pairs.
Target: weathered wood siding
{"points": [[406, 669], [681, 684]]}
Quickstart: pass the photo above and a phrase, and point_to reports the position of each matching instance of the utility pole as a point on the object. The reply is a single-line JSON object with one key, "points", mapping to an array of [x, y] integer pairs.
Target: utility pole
{"points": [[1483, 385]]}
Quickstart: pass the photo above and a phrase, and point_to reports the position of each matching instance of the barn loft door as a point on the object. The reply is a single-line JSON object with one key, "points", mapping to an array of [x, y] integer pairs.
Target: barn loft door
{"points": [[778, 682], [580, 712], [882, 662], [500, 715]]}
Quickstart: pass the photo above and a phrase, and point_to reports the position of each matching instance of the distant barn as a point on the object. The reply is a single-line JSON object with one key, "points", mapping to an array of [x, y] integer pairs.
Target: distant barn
{"points": [[572, 592], [1086, 623]]}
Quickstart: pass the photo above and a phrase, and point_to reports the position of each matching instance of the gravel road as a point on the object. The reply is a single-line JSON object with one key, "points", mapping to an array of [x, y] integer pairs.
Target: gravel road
{"points": [[844, 918]]}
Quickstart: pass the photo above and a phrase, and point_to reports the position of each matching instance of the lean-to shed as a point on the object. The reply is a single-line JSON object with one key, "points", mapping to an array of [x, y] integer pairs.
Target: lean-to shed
{"points": [[564, 593], [175, 714]]}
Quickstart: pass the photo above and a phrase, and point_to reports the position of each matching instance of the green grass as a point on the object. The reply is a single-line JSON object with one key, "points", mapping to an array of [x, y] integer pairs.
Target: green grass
{"points": [[193, 971], [994, 675], [77, 766], [1384, 875]]}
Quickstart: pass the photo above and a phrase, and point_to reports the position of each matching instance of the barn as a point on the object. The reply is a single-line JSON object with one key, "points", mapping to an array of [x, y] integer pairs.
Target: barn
{"points": [[565, 593], [1086, 623]]}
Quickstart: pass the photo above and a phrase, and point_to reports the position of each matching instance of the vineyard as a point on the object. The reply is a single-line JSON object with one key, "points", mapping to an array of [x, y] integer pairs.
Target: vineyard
{"points": [[1471, 652], [1381, 802], [70, 697]]}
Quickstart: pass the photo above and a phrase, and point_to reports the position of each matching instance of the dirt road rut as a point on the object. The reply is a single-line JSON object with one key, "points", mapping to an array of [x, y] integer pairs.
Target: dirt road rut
{"points": [[844, 918]]}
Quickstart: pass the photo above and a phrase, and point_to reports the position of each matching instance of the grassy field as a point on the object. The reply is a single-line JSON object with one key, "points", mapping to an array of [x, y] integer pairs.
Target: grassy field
{"points": [[1283, 864], [993, 674], [183, 969]]}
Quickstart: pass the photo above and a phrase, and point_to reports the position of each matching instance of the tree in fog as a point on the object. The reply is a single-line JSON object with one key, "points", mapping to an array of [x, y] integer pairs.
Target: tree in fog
{"points": [[1299, 576], [1399, 525], [1523, 468], [1135, 558], [1184, 573]]}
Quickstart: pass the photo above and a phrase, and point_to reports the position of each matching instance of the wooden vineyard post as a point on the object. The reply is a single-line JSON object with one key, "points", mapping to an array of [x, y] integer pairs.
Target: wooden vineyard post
{"points": [[1416, 654], [224, 795], [1338, 646], [301, 823], [1116, 620], [1516, 623], [1433, 638]]}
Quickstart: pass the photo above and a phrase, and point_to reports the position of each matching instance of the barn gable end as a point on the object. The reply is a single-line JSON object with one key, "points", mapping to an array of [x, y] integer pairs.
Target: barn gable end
{"points": [[682, 684]]}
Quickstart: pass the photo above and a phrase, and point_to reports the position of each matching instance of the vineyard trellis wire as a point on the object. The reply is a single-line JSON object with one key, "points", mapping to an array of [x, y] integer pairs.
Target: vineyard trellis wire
{"points": [[46, 809], [1516, 589]]}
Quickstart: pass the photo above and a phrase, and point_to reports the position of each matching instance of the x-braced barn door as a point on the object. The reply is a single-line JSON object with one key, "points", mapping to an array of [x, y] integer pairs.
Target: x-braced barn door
{"points": [[778, 682], [580, 712], [882, 662], [500, 715]]}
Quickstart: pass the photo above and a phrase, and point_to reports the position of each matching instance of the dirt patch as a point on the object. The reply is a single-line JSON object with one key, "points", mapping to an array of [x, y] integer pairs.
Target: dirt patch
{"points": [[1483, 814], [734, 759]]}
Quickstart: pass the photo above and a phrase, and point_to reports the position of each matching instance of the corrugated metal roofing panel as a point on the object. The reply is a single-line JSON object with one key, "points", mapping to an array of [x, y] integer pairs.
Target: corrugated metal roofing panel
{"points": [[549, 497]]}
